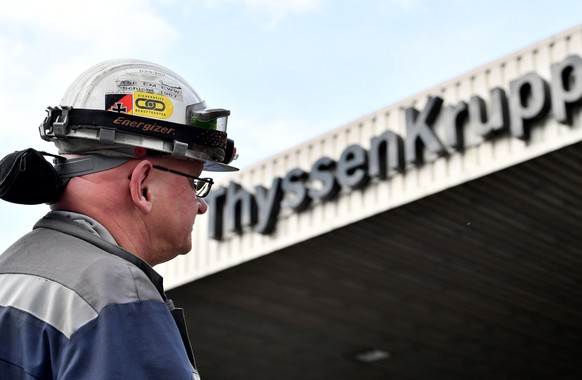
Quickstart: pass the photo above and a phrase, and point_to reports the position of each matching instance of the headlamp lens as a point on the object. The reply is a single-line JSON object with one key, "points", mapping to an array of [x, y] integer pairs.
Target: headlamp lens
{"points": [[214, 119], [215, 125]]}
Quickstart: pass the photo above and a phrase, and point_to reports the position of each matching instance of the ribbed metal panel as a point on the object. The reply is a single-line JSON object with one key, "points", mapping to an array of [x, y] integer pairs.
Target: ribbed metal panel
{"points": [[479, 159]]}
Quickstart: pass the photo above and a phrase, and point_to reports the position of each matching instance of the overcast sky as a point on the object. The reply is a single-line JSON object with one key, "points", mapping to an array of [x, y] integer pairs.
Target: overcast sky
{"points": [[288, 70]]}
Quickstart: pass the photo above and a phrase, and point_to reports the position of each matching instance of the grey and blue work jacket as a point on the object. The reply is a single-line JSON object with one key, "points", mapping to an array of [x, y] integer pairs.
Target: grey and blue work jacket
{"points": [[74, 305]]}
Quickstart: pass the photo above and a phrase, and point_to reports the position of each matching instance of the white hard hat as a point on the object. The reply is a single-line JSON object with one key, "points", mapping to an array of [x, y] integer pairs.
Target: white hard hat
{"points": [[129, 107]]}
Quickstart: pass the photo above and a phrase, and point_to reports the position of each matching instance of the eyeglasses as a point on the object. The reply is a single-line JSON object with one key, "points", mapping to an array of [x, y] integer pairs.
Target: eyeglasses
{"points": [[201, 186]]}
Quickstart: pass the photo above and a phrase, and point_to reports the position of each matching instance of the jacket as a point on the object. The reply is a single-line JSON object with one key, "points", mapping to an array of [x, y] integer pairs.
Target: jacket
{"points": [[74, 305]]}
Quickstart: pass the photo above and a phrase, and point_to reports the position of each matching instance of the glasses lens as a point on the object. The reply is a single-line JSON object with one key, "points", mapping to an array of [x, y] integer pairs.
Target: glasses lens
{"points": [[202, 187]]}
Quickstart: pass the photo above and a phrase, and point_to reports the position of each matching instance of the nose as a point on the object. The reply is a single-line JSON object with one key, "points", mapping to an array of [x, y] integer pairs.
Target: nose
{"points": [[202, 205]]}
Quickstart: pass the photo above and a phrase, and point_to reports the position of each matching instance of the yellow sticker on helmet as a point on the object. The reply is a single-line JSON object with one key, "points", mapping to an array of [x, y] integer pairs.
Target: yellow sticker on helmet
{"points": [[152, 105]]}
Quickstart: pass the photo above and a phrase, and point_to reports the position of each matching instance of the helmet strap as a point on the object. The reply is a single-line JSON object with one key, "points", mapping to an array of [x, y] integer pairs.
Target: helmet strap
{"points": [[91, 163]]}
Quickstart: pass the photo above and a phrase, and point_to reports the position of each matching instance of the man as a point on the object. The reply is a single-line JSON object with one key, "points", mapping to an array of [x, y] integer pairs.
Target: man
{"points": [[78, 296]]}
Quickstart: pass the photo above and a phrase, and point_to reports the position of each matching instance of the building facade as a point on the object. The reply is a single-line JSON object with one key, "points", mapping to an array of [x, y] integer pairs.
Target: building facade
{"points": [[434, 238]]}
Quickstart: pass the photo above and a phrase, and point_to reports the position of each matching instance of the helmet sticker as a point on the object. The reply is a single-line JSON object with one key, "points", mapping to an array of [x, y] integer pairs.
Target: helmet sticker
{"points": [[152, 105], [120, 103], [166, 89]]}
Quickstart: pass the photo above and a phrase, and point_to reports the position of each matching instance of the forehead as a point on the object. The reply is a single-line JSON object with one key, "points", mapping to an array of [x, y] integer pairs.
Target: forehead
{"points": [[193, 167]]}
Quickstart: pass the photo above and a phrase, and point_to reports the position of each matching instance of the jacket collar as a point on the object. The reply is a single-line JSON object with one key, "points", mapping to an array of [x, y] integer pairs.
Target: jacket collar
{"points": [[91, 231]]}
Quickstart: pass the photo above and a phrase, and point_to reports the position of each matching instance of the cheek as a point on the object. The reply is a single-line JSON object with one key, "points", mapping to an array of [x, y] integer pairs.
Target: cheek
{"points": [[171, 202], [178, 193], [187, 204], [181, 189]]}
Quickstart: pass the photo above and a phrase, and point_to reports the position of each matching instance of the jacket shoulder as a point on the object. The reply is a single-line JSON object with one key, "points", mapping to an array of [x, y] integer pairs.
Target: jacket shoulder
{"points": [[99, 277]]}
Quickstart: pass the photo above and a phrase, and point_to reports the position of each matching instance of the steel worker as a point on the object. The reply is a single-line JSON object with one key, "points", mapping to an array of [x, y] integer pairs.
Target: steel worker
{"points": [[79, 298]]}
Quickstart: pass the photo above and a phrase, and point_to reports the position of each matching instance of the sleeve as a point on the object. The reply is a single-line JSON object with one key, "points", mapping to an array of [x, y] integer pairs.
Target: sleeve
{"points": [[138, 340]]}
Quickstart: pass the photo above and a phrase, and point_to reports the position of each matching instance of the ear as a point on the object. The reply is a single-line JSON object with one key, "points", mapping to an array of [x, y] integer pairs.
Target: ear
{"points": [[139, 186]]}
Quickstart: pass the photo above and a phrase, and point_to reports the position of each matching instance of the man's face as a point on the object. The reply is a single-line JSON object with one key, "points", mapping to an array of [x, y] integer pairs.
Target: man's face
{"points": [[174, 207]]}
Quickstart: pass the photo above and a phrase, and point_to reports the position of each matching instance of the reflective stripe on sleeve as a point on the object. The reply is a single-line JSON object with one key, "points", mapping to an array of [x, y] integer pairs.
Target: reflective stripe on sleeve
{"points": [[47, 300]]}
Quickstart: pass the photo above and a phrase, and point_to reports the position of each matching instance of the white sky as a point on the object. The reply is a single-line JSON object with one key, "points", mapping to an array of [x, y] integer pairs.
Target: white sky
{"points": [[288, 70]]}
